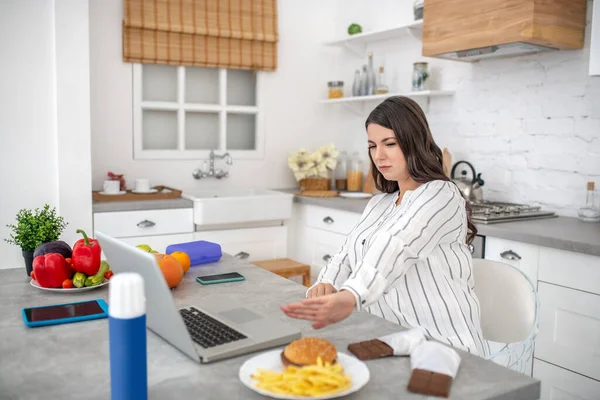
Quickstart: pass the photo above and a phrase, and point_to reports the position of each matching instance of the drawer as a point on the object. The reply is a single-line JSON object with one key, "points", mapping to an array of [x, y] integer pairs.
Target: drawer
{"points": [[330, 220], [324, 251], [251, 244], [569, 333], [145, 223], [523, 256], [566, 268], [560, 384]]}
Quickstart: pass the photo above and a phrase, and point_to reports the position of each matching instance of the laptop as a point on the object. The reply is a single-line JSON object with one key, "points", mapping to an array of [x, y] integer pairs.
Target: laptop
{"points": [[208, 330]]}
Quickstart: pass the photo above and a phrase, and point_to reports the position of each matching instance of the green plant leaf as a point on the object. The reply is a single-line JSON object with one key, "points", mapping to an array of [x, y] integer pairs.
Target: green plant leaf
{"points": [[34, 227]]}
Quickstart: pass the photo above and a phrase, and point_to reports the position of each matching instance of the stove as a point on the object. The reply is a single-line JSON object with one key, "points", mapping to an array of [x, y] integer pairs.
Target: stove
{"points": [[493, 212]]}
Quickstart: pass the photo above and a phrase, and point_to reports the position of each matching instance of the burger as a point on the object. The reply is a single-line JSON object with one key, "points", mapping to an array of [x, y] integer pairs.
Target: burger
{"points": [[305, 351]]}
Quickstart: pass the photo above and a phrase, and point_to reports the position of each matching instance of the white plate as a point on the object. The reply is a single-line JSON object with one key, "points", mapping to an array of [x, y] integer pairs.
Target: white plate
{"points": [[271, 360], [74, 289], [114, 194], [356, 195], [150, 191]]}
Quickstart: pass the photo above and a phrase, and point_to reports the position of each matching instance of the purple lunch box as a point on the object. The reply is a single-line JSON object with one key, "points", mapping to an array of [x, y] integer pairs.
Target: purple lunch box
{"points": [[200, 251]]}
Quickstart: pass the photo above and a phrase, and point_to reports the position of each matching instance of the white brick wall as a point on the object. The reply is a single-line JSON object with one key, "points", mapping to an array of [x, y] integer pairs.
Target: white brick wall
{"points": [[529, 124]]}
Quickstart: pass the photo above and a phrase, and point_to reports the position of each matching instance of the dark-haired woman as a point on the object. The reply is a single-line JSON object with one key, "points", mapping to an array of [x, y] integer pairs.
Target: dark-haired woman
{"points": [[407, 260]]}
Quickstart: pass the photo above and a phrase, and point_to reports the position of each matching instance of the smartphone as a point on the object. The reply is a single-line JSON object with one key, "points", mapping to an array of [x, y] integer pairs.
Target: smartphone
{"points": [[65, 313], [220, 278]]}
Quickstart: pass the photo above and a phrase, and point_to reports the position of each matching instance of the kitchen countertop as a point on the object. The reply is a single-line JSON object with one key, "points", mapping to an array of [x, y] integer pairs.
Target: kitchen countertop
{"points": [[72, 361], [114, 206], [562, 233]]}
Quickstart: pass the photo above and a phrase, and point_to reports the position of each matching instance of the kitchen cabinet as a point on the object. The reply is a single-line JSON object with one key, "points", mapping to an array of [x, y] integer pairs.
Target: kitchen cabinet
{"points": [[319, 233], [470, 30], [156, 228], [250, 244], [561, 384], [523, 256]]}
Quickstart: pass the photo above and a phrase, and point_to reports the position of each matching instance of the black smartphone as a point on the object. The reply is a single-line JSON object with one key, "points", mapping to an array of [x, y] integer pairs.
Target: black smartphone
{"points": [[65, 313], [220, 278]]}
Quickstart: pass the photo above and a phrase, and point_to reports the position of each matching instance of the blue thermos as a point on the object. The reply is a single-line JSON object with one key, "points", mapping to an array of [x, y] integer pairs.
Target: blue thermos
{"points": [[127, 337]]}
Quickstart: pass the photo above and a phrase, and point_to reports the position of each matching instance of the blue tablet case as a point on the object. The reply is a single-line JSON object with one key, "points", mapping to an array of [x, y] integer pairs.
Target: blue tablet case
{"points": [[200, 251], [101, 303]]}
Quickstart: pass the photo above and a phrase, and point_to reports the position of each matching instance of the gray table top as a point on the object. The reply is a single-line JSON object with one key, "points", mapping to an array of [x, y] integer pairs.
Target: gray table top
{"points": [[72, 361], [562, 233], [113, 206]]}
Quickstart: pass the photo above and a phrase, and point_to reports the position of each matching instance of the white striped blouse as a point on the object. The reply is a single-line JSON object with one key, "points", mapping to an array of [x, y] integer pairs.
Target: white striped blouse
{"points": [[409, 264]]}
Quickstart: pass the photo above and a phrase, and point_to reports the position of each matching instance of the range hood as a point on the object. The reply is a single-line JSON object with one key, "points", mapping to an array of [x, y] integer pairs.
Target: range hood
{"points": [[472, 30]]}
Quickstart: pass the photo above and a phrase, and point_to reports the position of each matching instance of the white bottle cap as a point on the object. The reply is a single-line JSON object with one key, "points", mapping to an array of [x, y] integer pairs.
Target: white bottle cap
{"points": [[126, 295]]}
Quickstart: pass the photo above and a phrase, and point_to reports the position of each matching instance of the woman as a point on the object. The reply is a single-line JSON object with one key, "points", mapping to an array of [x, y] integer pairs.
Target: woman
{"points": [[407, 259]]}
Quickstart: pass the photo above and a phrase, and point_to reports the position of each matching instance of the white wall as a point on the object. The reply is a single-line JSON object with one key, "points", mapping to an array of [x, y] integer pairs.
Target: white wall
{"points": [[530, 124], [293, 116], [43, 108]]}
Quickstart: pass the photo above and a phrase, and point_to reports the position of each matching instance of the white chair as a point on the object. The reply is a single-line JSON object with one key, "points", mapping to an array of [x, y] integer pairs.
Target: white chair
{"points": [[509, 313]]}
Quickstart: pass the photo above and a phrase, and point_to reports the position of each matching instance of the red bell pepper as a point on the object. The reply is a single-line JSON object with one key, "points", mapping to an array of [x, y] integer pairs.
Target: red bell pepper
{"points": [[51, 270], [86, 255]]}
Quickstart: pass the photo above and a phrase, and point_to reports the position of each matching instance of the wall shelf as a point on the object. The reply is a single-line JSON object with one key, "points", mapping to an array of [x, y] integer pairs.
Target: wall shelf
{"points": [[363, 99], [359, 41]]}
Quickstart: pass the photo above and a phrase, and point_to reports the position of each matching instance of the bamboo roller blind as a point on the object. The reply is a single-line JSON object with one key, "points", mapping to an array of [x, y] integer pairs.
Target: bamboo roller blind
{"points": [[239, 34]]}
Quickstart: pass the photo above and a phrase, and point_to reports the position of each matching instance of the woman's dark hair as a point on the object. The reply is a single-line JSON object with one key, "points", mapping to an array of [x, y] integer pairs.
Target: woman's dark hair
{"points": [[423, 157]]}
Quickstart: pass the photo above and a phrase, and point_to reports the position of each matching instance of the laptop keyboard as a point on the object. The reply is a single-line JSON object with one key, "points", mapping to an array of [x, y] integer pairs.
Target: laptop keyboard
{"points": [[207, 331]]}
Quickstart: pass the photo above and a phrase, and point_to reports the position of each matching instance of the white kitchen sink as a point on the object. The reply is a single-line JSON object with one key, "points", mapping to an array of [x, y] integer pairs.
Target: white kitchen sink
{"points": [[229, 206]]}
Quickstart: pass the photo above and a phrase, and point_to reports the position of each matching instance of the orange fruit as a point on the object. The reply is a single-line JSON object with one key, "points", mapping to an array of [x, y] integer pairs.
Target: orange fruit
{"points": [[183, 258], [171, 269]]}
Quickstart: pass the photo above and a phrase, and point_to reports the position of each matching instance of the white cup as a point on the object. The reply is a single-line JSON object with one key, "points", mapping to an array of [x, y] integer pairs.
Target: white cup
{"points": [[142, 185], [112, 186]]}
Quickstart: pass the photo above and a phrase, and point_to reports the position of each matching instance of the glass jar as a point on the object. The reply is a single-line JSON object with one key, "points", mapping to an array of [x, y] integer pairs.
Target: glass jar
{"points": [[341, 172], [336, 89], [355, 173], [418, 9], [420, 77]]}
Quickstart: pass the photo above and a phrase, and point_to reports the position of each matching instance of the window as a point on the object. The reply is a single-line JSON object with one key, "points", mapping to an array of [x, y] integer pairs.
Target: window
{"points": [[184, 112]]}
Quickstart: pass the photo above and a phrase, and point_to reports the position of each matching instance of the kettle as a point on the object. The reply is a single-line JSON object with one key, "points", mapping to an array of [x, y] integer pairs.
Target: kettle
{"points": [[470, 188]]}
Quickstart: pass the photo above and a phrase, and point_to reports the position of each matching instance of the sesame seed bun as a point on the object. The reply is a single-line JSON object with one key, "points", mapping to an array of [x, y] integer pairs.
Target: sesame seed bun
{"points": [[305, 351]]}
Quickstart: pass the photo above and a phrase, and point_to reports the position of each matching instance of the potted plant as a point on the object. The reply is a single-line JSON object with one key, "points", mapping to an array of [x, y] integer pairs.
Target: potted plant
{"points": [[33, 228], [313, 169]]}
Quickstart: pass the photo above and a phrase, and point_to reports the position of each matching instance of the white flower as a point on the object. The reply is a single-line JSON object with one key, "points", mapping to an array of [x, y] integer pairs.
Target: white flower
{"points": [[329, 155]]}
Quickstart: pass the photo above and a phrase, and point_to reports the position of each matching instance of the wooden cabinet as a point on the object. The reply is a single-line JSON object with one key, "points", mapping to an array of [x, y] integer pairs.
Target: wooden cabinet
{"points": [[595, 41], [475, 29]]}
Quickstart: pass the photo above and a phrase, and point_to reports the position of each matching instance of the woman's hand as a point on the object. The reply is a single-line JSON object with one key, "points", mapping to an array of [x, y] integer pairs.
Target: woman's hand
{"points": [[321, 289], [324, 310]]}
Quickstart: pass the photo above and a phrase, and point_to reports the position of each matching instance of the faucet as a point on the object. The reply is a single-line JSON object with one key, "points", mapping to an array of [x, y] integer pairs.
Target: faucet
{"points": [[218, 173]]}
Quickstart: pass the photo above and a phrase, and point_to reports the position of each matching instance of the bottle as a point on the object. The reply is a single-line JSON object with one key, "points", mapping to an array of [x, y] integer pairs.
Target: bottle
{"points": [[370, 76], [356, 84], [127, 337], [364, 81], [589, 212], [420, 77], [341, 172], [381, 87], [355, 173]]}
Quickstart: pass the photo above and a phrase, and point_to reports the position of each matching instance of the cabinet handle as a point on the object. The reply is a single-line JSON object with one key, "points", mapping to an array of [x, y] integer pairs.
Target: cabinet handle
{"points": [[510, 255], [242, 255], [145, 224], [326, 257], [472, 248], [328, 220]]}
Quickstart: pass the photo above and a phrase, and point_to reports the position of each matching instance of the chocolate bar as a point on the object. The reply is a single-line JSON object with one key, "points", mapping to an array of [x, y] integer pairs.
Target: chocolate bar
{"points": [[429, 383], [370, 349]]}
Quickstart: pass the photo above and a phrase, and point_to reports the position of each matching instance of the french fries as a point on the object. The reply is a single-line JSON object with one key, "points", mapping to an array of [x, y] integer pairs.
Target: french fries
{"points": [[311, 380]]}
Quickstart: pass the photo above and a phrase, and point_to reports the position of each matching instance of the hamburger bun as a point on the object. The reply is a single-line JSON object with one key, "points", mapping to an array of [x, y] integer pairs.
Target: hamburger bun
{"points": [[306, 350]]}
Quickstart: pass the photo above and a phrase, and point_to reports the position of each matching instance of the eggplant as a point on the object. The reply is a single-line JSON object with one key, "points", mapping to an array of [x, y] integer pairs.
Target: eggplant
{"points": [[57, 246]]}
